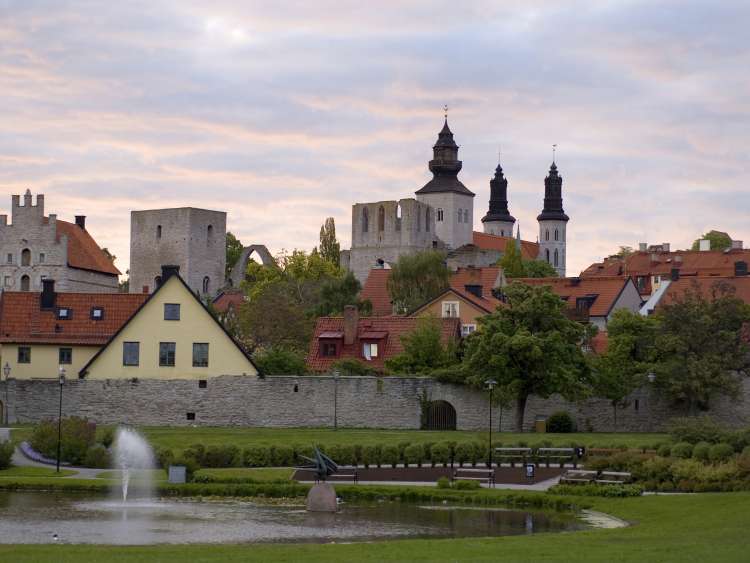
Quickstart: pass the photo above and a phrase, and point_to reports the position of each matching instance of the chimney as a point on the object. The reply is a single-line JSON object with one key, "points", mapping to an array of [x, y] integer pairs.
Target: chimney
{"points": [[167, 271], [642, 246], [351, 320], [665, 247], [81, 221], [575, 282], [704, 244], [740, 268], [47, 298], [675, 274], [736, 245]]}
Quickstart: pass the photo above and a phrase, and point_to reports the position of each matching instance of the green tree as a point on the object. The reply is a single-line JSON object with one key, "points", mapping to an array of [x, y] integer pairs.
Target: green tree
{"points": [[111, 257], [719, 240], [234, 251], [338, 292], [417, 278], [511, 262], [538, 269], [624, 252], [329, 246], [529, 347], [424, 350], [280, 360], [700, 353], [628, 360], [351, 366]]}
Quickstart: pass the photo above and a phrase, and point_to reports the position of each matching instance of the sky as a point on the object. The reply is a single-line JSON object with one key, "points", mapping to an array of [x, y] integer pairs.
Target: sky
{"points": [[283, 113]]}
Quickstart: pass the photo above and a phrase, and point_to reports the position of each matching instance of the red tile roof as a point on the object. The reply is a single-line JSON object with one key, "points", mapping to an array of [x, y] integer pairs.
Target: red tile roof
{"points": [[376, 290], [600, 343], [606, 290], [739, 287], [228, 299], [22, 321], [393, 327], [529, 250], [83, 252]]}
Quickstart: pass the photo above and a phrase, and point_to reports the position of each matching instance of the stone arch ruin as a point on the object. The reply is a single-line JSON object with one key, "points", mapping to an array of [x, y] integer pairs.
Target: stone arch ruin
{"points": [[238, 272]]}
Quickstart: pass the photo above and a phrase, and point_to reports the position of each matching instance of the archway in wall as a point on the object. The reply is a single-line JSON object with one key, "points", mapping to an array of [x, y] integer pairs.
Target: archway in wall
{"points": [[441, 415]]}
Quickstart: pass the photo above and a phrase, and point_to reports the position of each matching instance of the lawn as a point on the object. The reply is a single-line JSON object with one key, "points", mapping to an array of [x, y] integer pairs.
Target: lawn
{"points": [[256, 474], [679, 528], [14, 472], [179, 438]]}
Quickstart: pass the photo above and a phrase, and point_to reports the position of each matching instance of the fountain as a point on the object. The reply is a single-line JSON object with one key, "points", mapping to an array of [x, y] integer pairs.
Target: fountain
{"points": [[132, 452]]}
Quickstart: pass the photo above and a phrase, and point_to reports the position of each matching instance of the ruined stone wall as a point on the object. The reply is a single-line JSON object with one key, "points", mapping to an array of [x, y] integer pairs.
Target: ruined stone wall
{"points": [[293, 401]]}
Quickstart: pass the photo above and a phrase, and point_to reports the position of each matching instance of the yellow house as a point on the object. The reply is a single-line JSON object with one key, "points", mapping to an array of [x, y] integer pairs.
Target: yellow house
{"points": [[168, 334]]}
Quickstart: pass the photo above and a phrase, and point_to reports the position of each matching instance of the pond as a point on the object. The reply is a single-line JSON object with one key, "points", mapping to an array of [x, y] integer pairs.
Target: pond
{"points": [[74, 518]]}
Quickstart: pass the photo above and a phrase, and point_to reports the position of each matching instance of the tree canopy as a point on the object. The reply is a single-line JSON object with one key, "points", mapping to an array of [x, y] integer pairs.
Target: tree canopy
{"points": [[424, 350], [330, 248], [280, 360], [514, 266], [234, 251], [417, 278], [719, 240]]}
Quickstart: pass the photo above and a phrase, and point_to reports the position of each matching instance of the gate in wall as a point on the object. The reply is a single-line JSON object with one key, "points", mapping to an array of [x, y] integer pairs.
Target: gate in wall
{"points": [[441, 416]]}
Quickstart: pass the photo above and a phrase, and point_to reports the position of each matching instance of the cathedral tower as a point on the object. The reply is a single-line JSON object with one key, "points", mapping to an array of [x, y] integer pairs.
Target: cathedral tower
{"points": [[498, 220], [553, 222], [451, 201]]}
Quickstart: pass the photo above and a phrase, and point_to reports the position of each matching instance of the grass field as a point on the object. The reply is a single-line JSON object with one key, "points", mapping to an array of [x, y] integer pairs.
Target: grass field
{"points": [[680, 528], [15, 472]]}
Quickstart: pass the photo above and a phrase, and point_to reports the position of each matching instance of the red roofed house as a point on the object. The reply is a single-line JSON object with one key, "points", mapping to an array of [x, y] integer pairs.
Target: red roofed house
{"points": [[709, 287], [372, 340], [34, 247]]}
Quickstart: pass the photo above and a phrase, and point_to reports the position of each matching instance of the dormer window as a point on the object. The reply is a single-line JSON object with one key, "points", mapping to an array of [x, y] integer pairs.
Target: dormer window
{"points": [[328, 349], [97, 313], [64, 313], [370, 350]]}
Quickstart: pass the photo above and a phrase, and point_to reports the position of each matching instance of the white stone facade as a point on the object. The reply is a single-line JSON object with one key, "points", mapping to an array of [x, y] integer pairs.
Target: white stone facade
{"points": [[499, 228], [552, 244], [454, 217], [193, 239]]}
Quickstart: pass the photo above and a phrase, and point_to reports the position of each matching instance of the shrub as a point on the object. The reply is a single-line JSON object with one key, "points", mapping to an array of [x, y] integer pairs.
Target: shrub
{"points": [[97, 456], [695, 429], [78, 434], [657, 469], [440, 453], [466, 485], [428, 451], [682, 450], [107, 437], [665, 450], [743, 461], [389, 455], [196, 452], [464, 453], [220, 456], [371, 455], [560, 422], [352, 367], [401, 448], [481, 453], [700, 451], [686, 470], [6, 453], [256, 456], [598, 490], [720, 452], [163, 456], [282, 456], [443, 483], [343, 455], [414, 454]]}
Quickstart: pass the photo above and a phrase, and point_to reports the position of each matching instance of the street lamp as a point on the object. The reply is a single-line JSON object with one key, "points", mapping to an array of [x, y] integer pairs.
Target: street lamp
{"points": [[6, 372], [490, 383], [61, 377], [335, 399]]}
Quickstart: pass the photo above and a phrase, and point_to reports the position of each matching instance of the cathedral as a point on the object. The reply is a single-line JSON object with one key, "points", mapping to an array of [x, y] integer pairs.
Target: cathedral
{"points": [[442, 217]]}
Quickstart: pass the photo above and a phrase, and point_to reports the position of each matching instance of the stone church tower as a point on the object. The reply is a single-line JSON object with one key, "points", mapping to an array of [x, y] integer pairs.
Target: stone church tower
{"points": [[498, 220], [552, 223], [451, 201]]}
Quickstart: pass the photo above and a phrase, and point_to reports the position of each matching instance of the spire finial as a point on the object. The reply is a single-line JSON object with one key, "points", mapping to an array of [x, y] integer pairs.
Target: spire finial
{"points": [[445, 111], [554, 148]]}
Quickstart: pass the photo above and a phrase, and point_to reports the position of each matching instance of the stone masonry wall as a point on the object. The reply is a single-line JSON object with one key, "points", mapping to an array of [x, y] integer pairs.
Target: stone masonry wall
{"points": [[292, 401]]}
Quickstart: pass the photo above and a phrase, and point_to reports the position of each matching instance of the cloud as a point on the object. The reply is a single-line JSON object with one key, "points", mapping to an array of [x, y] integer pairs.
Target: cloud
{"points": [[284, 113]]}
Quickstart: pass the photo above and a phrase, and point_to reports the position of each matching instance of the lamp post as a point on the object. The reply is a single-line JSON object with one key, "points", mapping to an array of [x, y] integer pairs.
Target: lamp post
{"points": [[59, 417], [651, 378], [6, 372], [490, 383], [335, 399]]}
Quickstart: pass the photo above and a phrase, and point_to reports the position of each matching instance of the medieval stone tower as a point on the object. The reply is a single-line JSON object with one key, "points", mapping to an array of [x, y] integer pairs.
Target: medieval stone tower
{"points": [[552, 223], [498, 220], [193, 239]]}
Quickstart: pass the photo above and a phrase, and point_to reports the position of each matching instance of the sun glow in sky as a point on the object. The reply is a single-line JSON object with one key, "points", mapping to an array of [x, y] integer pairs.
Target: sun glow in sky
{"points": [[284, 113]]}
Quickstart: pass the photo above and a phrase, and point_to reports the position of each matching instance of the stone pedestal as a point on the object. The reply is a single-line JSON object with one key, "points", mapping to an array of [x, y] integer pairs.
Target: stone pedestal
{"points": [[322, 498]]}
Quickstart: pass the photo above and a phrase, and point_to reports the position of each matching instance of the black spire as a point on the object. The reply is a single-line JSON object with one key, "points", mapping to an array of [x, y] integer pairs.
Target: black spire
{"points": [[498, 199], [553, 206], [445, 166]]}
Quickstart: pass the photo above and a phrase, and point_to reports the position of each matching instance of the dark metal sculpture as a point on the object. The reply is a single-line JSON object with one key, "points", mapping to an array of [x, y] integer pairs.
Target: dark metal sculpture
{"points": [[320, 464]]}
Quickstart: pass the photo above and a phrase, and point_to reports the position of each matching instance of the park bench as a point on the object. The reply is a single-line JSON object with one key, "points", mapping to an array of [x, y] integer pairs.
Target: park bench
{"points": [[475, 474], [613, 477], [339, 476], [559, 455], [513, 455], [578, 476]]}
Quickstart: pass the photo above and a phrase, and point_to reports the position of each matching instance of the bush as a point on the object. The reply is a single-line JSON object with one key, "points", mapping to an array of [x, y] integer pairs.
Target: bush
{"points": [[466, 485], [444, 483], [440, 453], [342, 455], [220, 456], [481, 453], [665, 450], [6, 453], [78, 434], [282, 456], [371, 455], [163, 456], [107, 437], [97, 456], [256, 456], [695, 429], [720, 452], [700, 451], [414, 454], [464, 453], [560, 422], [682, 450], [743, 461], [389, 455], [598, 490], [352, 367], [280, 360]]}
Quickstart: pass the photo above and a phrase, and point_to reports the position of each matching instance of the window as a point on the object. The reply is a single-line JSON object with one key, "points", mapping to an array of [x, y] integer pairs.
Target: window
{"points": [[466, 330], [171, 311], [546, 234], [365, 220], [158, 231], [8, 281], [419, 220], [65, 356], [439, 214], [25, 283], [502, 233], [381, 219], [157, 282], [166, 354], [206, 284], [64, 313], [637, 405], [370, 350], [97, 313], [466, 215], [190, 416], [546, 254], [10, 258], [24, 354], [26, 257], [328, 349], [41, 257], [450, 309], [200, 355], [398, 216], [202, 383], [556, 257], [460, 215], [209, 234], [130, 353], [557, 234]]}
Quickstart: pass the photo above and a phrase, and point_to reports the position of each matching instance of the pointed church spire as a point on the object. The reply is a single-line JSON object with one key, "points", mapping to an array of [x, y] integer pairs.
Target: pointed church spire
{"points": [[553, 205], [445, 165], [518, 236], [498, 210]]}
